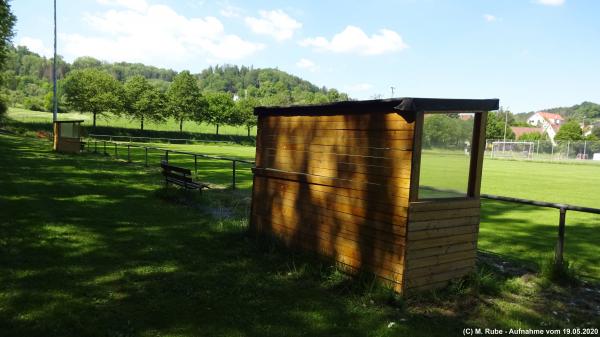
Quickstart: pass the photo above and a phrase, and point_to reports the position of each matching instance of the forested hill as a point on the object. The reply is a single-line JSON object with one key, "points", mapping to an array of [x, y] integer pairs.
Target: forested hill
{"points": [[27, 79], [588, 110]]}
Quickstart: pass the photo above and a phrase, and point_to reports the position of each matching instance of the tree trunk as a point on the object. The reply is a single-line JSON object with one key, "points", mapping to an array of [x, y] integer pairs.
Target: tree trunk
{"points": [[94, 126], [217, 129], [142, 124], [181, 125]]}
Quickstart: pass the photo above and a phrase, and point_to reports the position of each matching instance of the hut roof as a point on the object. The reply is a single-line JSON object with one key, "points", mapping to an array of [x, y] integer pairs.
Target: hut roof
{"points": [[405, 104]]}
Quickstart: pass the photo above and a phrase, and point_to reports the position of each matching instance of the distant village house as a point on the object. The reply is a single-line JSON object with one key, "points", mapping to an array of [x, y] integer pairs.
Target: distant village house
{"points": [[549, 123]]}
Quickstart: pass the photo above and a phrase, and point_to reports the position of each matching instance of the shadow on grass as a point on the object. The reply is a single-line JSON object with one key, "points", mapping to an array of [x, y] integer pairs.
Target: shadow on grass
{"points": [[87, 249]]}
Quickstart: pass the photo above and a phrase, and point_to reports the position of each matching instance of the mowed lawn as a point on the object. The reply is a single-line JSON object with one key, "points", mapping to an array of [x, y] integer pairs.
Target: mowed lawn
{"points": [[529, 232], [88, 247]]}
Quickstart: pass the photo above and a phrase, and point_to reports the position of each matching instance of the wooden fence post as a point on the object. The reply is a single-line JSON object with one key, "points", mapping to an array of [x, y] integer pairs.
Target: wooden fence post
{"points": [[196, 164], [128, 153], [560, 244], [105, 148], [146, 155], [116, 153], [166, 156]]}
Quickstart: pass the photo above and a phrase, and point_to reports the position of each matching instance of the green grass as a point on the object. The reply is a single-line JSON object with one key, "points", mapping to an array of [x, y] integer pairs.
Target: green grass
{"points": [[529, 232], [90, 246], [109, 120]]}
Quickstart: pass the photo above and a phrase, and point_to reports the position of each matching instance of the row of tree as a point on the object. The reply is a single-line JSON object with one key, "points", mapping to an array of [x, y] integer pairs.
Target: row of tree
{"points": [[95, 91]]}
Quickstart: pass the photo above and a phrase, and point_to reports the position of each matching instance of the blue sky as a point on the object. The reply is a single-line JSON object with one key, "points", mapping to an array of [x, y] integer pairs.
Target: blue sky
{"points": [[532, 54]]}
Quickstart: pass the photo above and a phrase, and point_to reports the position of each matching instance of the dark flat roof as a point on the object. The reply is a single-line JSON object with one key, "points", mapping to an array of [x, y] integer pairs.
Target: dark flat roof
{"points": [[405, 104]]}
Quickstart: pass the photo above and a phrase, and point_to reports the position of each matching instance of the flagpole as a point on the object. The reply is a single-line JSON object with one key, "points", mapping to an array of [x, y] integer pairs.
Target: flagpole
{"points": [[54, 98]]}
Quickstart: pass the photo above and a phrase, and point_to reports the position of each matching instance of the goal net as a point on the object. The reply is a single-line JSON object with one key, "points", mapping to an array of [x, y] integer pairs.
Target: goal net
{"points": [[517, 150]]}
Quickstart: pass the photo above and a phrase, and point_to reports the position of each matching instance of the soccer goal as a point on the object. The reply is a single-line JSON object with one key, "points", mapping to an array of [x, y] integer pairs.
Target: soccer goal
{"points": [[517, 150]]}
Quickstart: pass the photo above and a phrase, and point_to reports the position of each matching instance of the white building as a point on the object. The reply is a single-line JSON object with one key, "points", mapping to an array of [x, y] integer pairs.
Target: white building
{"points": [[550, 123]]}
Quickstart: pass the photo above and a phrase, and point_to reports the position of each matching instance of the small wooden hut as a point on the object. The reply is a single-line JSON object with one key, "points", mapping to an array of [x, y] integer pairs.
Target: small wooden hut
{"points": [[67, 136], [388, 186]]}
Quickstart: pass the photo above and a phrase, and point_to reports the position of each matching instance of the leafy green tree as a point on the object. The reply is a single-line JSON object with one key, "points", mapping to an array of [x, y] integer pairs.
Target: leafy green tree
{"points": [[570, 131], [245, 112], [7, 22], [220, 109], [94, 91], [495, 127], [184, 99], [142, 101], [596, 131]]}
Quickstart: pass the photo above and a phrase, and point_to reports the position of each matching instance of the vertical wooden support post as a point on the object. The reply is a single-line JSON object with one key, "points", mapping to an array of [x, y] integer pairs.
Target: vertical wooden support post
{"points": [[233, 174], [116, 153], [105, 148], [146, 156], [195, 164], [560, 244], [95, 146], [128, 153], [167, 156]]}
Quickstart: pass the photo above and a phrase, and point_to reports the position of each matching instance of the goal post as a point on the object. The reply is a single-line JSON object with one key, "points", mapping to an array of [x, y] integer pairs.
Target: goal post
{"points": [[515, 150]]}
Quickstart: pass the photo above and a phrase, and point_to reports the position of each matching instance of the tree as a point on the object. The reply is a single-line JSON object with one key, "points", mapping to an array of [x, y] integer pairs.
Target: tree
{"points": [[7, 22], [184, 99], [142, 101], [93, 90], [495, 127], [569, 131], [220, 109], [245, 112], [596, 130]]}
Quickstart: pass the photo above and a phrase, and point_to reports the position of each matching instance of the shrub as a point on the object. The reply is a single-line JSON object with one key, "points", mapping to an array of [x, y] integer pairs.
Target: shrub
{"points": [[33, 103]]}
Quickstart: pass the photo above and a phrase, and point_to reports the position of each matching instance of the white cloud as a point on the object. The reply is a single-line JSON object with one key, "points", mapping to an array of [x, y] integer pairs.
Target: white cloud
{"points": [[275, 23], [353, 40], [489, 17], [36, 46], [359, 87], [551, 2], [307, 64], [155, 33]]}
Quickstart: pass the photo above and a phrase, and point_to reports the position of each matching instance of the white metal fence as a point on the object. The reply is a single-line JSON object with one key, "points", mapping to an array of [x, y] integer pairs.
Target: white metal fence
{"points": [[584, 151]]}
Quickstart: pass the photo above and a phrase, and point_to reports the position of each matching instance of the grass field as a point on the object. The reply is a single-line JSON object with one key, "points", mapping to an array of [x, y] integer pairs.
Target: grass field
{"points": [[90, 246], [24, 115]]}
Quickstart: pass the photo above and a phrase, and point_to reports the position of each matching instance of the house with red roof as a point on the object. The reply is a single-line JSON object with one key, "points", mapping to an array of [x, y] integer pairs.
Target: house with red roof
{"points": [[549, 123]]}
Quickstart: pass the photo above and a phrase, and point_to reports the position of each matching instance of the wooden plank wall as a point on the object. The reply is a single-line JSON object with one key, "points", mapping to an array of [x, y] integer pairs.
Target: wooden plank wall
{"points": [[336, 185], [441, 242]]}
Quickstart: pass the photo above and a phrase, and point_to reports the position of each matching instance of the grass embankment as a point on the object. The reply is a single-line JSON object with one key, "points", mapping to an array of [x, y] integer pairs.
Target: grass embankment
{"points": [[106, 122], [95, 247]]}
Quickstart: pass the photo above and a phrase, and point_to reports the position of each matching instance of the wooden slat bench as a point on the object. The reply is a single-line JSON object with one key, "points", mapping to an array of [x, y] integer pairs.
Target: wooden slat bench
{"points": [[180, 176]]}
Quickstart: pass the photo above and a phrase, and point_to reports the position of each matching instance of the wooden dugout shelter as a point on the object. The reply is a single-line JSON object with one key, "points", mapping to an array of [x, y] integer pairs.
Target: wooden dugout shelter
{"points": [[343, 180], [67, 136]]}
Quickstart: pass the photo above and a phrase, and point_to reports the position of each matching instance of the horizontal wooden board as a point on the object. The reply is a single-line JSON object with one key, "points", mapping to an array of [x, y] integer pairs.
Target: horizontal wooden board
{"points": [[426, 206], [292, 150], [433, 261], [342, 250], [445, 214], [436, 278], [440, 268], [392, 116], [345, 196], [332, 157], [426, 287], [443, 232], [303, 134], [388, 189], [438, 250], [415, 226], [361, 207], [333, 216], [402, 179], [445, 241], [375, 141], [334, 168]]}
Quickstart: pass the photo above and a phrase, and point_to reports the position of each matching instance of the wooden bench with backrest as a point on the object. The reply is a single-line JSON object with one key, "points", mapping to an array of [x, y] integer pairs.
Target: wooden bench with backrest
{"points": [[180, 176]]}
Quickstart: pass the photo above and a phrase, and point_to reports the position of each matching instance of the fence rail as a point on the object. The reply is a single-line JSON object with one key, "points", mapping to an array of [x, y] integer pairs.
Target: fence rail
{"points": [[563, 208], [151, 139], [566, 150], [115, 145]]}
